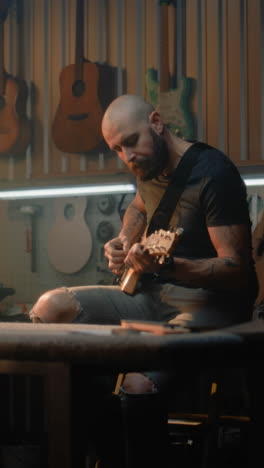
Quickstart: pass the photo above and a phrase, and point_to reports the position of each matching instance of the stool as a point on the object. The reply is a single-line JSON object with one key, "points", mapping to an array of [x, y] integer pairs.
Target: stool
{"points": [[201, 431]]}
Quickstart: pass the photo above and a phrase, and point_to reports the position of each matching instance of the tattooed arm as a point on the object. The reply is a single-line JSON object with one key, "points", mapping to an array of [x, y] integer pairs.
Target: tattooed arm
{"points": [[133, 226], [134, 220], [229, 270]]}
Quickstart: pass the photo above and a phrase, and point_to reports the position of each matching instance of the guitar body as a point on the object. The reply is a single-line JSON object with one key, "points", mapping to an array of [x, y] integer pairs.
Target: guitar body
{"points": [[77, 123], [173, 104], [15, 129], [69, 239]]}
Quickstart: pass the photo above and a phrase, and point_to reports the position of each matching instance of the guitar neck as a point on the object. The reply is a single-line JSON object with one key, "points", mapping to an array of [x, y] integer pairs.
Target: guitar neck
{"points": [[159, 245], [164, 49], [79, 39]]}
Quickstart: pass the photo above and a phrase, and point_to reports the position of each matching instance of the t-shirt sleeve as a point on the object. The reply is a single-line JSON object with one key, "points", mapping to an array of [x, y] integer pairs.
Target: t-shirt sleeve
{"points": [[224, 199]]}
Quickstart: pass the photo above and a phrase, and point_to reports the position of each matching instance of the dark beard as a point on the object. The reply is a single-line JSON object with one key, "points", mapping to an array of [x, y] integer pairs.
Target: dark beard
{"points": [[149, 168]]}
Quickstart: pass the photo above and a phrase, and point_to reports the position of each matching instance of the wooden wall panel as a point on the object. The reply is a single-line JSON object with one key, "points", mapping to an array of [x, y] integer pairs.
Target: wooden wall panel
{"points": [[212, 72], [111, 56], [37, 58], [225, 77], [124, 34], [233, 79], [191, 61], [151, 40], [91, 29], [67, 163], [172, 38], [18, 53], [254, 81], [56, 46], [130, 46], [3, 159]]}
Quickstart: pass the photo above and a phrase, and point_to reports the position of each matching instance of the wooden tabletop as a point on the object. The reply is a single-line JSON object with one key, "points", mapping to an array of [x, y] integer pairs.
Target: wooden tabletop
{"points": [[102, 347]]}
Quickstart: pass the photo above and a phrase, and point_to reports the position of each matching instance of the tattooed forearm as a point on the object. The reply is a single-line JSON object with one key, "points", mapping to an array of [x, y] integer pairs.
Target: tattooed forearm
{"points": [[134, 223], [216, 273]]}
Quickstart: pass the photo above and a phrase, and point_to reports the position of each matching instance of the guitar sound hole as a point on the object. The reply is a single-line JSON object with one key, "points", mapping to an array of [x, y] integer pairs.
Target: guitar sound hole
{"points": [[78, 88], [2, 102]]}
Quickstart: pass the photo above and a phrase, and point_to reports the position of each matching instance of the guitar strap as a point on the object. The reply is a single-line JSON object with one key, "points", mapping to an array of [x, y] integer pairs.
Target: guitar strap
{"points": [[162, 215]]}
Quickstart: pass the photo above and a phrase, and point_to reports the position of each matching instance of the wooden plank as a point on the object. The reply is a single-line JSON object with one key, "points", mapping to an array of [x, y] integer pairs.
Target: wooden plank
{"points": [[233, 79], [73, 159], [172, 39], [4, 159], [56, 66], [20, 51], [191, 57], [204, 89], [37, 78], [225, 77], [253, 67], [130, 48], [212, 72]]}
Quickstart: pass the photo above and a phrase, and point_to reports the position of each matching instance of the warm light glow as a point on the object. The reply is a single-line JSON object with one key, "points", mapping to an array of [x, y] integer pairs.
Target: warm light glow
{"points": [[66, 191]]}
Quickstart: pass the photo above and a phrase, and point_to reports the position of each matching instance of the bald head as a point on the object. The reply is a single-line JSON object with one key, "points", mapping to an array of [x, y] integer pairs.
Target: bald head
{"points": [[125, 110]]}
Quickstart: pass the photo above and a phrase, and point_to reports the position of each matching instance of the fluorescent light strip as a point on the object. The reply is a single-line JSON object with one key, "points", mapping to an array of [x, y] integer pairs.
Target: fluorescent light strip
{"points": [[87, 190], [251, 182], [66, 191]]}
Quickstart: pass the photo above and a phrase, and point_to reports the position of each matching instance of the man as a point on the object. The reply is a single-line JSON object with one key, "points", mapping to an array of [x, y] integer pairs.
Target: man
{"points": [[211, 280]]}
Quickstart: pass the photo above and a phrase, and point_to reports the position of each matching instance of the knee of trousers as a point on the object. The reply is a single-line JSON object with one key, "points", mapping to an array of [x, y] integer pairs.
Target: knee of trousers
{"points": [[57, 306]]}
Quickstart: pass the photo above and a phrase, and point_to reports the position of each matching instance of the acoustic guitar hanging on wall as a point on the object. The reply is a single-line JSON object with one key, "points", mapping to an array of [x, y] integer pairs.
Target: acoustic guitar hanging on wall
{"points": [[77, 123], [14, 125], [173, 103]]}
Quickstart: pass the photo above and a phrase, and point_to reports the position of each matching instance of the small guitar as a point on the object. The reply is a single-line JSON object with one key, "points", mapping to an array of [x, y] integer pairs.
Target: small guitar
{"points": [[14, 125], [160, 245], [69, 239], [173, 104], [77, 123]]}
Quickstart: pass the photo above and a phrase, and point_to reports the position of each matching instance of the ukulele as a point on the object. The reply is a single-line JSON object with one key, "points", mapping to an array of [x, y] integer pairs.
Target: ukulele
{"points": [[77, 123], [14, 125], [173, 104], [159, 245]]}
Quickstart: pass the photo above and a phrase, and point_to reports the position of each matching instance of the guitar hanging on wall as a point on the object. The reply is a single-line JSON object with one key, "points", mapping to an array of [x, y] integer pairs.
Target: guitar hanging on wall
{"points": [[77, 123], [173, 104], [14, 125]]}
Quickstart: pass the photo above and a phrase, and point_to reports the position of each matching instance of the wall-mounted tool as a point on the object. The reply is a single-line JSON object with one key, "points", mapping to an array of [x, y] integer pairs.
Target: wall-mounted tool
{"points": [[30, 212], [104, 231], [106, 204]]}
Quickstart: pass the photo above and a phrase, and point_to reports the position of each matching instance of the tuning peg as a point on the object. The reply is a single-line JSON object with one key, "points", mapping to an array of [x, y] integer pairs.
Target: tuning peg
{"points": [[179, 231]]}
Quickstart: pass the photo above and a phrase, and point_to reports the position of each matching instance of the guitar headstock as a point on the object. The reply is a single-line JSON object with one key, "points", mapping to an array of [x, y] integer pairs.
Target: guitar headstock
{"points": [[161, 243]]}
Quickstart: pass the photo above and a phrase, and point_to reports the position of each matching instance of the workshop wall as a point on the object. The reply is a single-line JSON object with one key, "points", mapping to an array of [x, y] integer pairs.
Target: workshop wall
{"points": [[215, 62], [77, 226]]}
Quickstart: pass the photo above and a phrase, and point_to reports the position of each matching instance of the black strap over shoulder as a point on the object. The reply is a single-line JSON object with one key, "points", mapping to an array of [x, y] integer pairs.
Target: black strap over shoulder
{"points": [[162, 215]]}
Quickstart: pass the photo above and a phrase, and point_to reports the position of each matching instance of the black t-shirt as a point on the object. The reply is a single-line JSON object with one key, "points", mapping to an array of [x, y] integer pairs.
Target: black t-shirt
{"points": [[214, 195]]}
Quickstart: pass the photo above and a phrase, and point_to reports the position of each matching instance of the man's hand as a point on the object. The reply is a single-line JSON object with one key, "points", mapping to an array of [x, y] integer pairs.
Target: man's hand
{"points": [[116, 251], [140, 260]]}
